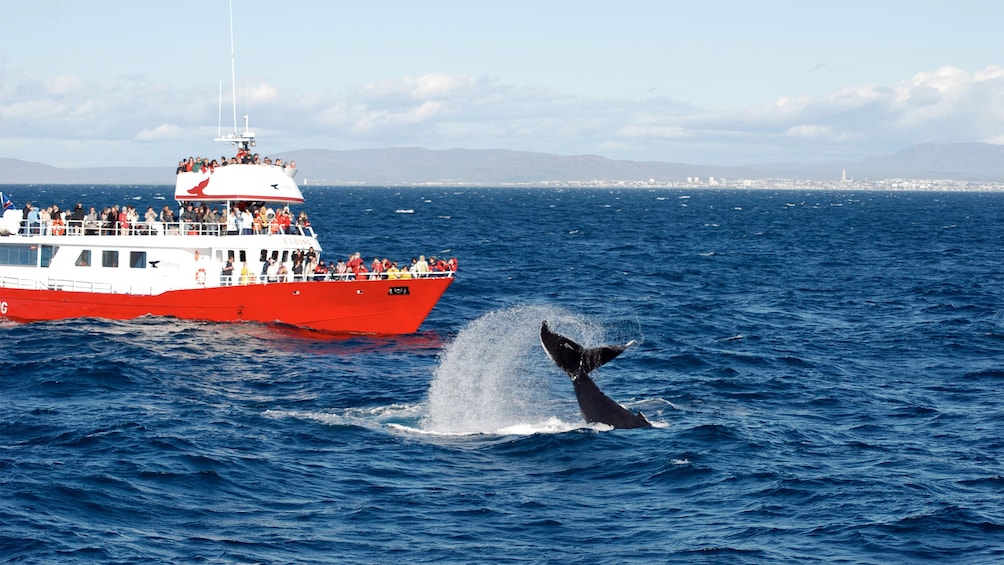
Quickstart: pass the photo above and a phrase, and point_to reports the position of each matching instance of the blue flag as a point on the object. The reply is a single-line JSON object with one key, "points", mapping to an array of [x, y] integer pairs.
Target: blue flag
{"points": [[5, 203]]}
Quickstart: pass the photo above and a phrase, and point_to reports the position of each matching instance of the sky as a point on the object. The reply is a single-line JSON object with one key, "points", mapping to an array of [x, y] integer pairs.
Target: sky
{"points": [[138, 83]]}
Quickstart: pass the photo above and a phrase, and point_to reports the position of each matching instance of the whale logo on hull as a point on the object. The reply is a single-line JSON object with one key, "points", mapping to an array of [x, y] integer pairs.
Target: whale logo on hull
{"points": [[578, 362]]}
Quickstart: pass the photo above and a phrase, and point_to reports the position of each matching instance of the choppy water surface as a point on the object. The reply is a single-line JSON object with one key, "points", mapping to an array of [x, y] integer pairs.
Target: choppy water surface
{"points": [[824, 370]]}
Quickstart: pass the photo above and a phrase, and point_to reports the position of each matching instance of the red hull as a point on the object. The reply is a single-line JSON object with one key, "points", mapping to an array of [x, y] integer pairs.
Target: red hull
{"points": [[386, 307]]}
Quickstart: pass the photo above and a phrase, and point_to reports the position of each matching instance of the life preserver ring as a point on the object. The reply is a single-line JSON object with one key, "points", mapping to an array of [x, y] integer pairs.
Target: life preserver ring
{"points": [[200, 276]]}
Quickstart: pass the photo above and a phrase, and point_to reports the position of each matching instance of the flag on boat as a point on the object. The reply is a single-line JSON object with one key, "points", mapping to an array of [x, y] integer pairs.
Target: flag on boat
{"points": [[5, 203]]}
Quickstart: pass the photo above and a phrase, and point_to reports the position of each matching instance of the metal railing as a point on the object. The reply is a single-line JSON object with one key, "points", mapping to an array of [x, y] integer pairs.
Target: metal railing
{"points": [[32, 283], [85, 227]]}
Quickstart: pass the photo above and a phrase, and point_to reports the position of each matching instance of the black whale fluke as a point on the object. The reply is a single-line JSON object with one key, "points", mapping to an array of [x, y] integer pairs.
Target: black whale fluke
{"points": [[578, 362]]}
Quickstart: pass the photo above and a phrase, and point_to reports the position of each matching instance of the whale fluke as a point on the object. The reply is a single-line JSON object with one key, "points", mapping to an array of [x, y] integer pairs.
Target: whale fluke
{"points": [[577, 362]]}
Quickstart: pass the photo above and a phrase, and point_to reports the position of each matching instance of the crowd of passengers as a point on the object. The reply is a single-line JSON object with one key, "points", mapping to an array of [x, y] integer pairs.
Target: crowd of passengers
{"points": [[241, 219], [243, 157], [307, 265]]}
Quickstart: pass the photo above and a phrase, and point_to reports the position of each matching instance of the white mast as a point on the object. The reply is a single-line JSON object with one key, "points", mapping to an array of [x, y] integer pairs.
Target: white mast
{"points": [[246, 139], [233, 65]]}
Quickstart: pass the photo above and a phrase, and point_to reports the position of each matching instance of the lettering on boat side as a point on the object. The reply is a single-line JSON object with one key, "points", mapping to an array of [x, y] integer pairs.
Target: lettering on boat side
{"points": [[398, 290], [3, 308]]}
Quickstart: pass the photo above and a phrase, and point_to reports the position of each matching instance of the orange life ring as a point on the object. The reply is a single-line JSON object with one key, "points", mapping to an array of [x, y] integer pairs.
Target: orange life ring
{"points": [[200, 276]]}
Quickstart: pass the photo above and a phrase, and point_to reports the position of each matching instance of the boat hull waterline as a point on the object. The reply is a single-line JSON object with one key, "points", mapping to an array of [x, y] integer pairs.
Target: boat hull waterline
{"points": [[381, 307]]}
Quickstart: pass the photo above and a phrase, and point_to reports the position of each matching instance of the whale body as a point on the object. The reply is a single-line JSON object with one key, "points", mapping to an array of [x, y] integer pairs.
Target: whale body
{"points": [[577, 362]]}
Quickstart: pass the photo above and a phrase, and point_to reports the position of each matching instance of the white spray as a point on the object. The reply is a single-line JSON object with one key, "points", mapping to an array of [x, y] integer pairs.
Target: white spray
{"points": [[495, 376]]}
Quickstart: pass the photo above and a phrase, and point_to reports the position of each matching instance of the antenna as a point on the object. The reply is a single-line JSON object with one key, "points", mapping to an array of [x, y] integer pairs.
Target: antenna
{"points": [[233, 65], [219, 123], [246, 139]]}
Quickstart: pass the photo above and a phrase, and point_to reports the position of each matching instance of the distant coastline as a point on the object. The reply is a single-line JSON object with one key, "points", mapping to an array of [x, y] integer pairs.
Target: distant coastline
{"points": [[956, 167]]}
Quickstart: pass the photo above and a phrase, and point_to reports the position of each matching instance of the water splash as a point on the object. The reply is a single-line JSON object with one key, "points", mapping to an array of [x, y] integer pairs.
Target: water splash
{"points": [[494, 376]]}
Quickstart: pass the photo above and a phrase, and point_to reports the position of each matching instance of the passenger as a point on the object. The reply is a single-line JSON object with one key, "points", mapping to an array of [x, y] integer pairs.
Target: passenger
{"points": [[281, 274], [422, 266], [245, 274], [341, 271], [297, 270], [355, 261], [77, 220], [227, 274], [91, 225], [247, 222], [393, 273], [404, 274], [265, 267], [111, 217], [361, 272], [259, 221], [189, 219], [273, 270], [238, 221], [231, 222], [44, 218], [376, 268], [320, 272], [58, 226], [212, 221], [284, 221], [26, 220], [132, 217]]}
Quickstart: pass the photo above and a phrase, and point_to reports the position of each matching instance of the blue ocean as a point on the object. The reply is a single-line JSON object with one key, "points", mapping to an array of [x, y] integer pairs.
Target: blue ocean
{"points": [[824, 372]]}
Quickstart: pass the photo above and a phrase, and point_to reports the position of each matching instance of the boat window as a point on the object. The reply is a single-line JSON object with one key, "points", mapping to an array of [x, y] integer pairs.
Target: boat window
{"points": [[84, 259], [137, 259], [18, 254], [244, 255], [285, 256], [264, 255], [275, 256], [47, 252], [109, 258]]}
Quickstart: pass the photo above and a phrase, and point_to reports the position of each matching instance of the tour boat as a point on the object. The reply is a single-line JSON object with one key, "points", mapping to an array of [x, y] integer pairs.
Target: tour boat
{"points": [[78, 268]]}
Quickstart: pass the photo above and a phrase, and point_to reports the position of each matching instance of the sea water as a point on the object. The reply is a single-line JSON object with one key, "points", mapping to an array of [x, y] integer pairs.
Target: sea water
{"points": [[824, 371]]}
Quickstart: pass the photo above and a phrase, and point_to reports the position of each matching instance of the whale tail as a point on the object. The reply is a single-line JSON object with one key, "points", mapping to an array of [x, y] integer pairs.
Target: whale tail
{"points": [[577, 362], [574, 359]]}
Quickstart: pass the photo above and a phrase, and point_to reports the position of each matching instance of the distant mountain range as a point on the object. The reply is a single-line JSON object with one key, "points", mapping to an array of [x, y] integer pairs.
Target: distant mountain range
{"points": [[408, 166]]}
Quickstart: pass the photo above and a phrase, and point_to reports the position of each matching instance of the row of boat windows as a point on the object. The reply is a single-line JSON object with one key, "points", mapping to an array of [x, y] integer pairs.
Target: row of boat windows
{"points": [[110, 259], [26, 255], [31, 255]]}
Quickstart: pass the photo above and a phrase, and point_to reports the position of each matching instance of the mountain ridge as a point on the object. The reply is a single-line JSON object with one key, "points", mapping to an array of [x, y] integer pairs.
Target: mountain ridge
{"points": [[412, 165]]}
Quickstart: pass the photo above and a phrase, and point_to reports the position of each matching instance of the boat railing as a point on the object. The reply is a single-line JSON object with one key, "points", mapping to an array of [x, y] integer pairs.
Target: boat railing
{"points": [[237, 280], [79, 228], [31, 283], [83, 286]]}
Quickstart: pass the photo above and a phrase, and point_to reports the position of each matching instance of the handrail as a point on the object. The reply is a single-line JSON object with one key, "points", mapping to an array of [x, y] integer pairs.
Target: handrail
{"points": [[76, 228], [32, 283]]}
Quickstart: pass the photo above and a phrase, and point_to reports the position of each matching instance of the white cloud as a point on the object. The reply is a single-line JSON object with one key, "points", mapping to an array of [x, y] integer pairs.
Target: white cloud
{"points": [[439, 110], [161, 132]]}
